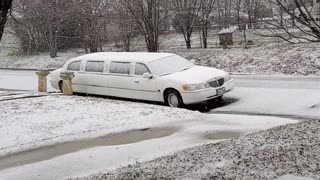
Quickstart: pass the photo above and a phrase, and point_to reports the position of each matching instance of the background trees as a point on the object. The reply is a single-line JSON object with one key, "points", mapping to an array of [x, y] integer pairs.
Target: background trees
{"points": [[149, 15], [55, 25], [207, 7], [186, 17], [296, 16], [5, 6]]}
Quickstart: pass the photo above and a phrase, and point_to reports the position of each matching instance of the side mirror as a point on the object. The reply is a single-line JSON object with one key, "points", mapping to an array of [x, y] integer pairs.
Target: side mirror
{"points": [[147, 76]]}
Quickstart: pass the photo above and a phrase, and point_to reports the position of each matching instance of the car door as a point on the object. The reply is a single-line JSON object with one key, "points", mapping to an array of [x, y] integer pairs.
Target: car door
{"points": [[93, 77], [144, 88], [119, 80], [75, 67]]}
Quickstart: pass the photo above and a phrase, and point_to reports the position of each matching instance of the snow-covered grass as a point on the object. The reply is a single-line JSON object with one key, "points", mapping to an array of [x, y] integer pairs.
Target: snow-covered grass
{"points": [[41, 61], [301, 59], [202, 129], [267, 56], [292, 149], [31, 123]]}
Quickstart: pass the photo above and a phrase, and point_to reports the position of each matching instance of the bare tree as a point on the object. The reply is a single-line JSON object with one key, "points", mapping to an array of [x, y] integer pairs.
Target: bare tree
{"points": [[148, 16], [305, 22], [91, 17], [186, 17], [124, 26], [52, 22], [249, 8], [5, 6], [39, 23], [207, 7], [238, 10]]}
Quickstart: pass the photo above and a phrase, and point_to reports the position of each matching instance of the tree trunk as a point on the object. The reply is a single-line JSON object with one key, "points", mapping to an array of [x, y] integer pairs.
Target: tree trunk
{"points": [[205, 39], [53, 42], [127, 42], [3, 20], [205, 35], [188, 42], [4, 10]]}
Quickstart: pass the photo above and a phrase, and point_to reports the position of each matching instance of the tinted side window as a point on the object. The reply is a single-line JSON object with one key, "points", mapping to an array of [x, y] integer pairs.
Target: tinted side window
{"points": [[120, 67], [141, 69], [94, 66], [74, 66]]}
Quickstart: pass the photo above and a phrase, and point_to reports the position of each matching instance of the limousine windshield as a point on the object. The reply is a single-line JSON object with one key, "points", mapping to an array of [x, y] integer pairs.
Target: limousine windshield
{"points": [[170, 65]]}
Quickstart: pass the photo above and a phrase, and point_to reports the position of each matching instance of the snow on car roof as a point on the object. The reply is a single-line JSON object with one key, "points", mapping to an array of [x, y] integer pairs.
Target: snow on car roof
{"points": [[125, 56]]}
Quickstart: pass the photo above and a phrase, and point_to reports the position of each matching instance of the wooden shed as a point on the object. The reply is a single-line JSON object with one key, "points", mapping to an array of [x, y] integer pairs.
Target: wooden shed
{"points": [[226, 35]]}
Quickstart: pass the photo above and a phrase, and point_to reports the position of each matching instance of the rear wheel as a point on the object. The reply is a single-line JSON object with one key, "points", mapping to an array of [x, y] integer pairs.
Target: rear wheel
{"points": [[61, 86], [173, 98]]}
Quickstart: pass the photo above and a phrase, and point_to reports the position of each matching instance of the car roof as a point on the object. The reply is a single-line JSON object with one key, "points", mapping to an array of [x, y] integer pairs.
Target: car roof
{"points": [[124, 56]]}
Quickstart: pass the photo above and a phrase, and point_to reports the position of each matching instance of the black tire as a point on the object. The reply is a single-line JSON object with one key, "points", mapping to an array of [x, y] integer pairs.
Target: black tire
{"points": [[61, 86], [173, 98]]}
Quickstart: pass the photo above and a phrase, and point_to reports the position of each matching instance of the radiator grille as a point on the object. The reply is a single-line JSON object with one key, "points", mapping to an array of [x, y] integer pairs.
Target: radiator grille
{"points": [[216, 83]]}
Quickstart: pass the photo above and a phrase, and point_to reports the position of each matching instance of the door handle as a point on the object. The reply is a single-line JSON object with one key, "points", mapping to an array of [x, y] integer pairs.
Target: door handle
{"points": [[136, 81]]}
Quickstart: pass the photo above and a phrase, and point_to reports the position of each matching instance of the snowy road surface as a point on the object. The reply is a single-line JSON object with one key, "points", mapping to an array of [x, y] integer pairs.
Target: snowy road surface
{"points": [[285, 82], [20, 80]]}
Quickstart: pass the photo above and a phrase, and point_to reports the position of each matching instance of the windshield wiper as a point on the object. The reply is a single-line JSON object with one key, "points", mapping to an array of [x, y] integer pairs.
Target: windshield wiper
{"points": [[184, 69], [166, 74]]}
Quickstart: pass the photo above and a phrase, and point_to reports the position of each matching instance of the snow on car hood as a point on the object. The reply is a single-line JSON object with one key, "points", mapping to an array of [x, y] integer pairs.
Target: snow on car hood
{"points": [[196, 74]]}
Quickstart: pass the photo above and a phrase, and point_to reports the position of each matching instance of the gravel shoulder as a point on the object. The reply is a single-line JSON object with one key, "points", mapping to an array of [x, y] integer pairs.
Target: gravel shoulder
{"points": [[291, 149]]}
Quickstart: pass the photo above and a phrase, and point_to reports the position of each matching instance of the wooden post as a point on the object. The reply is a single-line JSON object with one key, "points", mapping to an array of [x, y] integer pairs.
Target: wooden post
{"points": [[67, 83], [42, 80]]}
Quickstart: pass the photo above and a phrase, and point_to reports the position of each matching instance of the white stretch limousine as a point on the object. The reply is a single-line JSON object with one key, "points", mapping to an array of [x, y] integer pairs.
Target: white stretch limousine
{"points": [[161, 77]]}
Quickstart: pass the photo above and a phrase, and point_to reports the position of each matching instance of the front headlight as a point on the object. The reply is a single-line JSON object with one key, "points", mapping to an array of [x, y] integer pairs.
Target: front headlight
{"points": [[227, 78], [195, 87]]}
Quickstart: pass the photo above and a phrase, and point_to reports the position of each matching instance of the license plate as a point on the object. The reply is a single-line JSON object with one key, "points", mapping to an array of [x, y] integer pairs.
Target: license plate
{"points": [[221, 91]]}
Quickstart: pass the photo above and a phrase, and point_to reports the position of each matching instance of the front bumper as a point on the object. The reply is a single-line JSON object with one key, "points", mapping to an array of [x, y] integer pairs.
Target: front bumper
{"points": [[206, 94]]}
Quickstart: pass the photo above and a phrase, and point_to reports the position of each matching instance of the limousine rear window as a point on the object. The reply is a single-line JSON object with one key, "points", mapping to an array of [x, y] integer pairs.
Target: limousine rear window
{"points": [[120, 67], [94, 66], [74, 66]]}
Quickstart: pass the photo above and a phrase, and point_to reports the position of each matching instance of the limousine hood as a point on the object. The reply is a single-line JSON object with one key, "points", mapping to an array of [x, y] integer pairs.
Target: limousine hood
{"points": [[195, 75]]}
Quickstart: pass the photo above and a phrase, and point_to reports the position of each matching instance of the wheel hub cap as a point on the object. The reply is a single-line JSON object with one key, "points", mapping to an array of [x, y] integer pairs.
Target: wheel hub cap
{"points": [[173, 100]]}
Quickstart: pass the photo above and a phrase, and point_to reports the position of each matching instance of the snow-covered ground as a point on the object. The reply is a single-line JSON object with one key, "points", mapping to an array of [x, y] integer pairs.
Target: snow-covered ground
{"points": [[54, 119], [300, 59], [30, 126], [31, 123], [292, 149], [38, 122], [267, 57]]}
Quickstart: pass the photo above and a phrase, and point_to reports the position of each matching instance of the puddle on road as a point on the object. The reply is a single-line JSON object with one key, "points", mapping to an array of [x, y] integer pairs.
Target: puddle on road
{"points": [[49, 152], [218, 135]]}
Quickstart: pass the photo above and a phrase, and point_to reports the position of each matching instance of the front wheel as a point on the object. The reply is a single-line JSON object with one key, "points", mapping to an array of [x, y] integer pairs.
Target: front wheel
{"points": [[173, 99]]}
